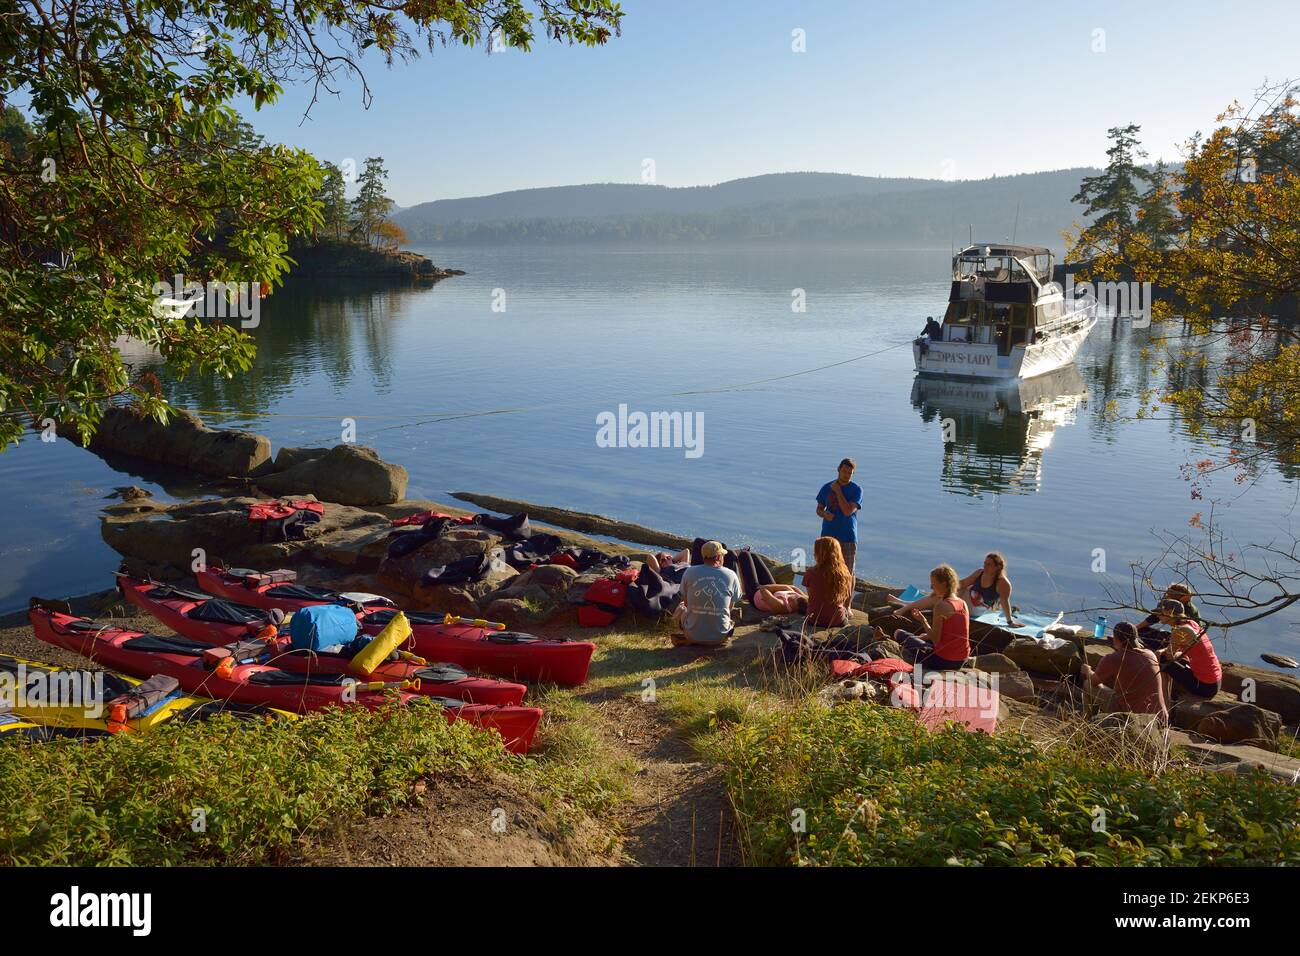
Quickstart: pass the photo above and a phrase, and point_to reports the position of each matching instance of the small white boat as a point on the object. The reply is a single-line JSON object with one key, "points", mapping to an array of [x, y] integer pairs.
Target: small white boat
{"points": [[1006, 318]]}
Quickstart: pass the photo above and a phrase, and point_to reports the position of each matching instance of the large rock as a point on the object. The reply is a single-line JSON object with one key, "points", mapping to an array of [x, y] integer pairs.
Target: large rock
{"points": [[287, 457], [995, 663], [555, 579], [1242, 758], [1017, 685], [1272, 691], [408, 572], [1032, 655], [1227, 720], [1242, 724], [448, 599], [465, 599], [184, 442], [161, 539], [347, 474], [882, 649], [520, 607], [1096, 653]]}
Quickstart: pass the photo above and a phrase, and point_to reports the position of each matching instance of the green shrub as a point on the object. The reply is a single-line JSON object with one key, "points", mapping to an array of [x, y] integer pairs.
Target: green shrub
{"points": [[132, 799], [875, 788]]}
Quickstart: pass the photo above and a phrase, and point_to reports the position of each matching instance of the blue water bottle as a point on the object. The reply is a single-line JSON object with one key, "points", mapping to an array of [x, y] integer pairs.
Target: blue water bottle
{"points": [[1099, 632]]}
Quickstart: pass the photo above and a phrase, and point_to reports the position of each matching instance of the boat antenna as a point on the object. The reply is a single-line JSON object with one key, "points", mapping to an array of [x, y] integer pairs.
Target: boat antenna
{"points": [[1016, 226], [970, 234]]}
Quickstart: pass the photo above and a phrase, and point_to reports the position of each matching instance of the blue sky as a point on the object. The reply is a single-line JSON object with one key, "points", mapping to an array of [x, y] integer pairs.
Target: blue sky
{"points": [[711, 90]]}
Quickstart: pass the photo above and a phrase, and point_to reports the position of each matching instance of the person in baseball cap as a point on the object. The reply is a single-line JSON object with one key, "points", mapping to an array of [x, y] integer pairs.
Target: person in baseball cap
{"points": [[710, 595]]}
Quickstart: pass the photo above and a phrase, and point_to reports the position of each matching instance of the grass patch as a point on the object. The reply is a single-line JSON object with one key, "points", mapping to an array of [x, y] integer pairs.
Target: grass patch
{"points": [[576, 767], [874, 788], [261, 787], [1288, 744]]}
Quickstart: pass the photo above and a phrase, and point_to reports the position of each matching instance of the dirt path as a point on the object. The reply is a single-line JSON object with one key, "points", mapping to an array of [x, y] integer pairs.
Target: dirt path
{"points": [[679, 813]]}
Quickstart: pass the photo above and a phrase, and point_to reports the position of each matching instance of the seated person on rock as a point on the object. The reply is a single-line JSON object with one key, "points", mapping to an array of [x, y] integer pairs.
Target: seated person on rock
{"points": [[946, 645], [1189, 660], [1156, 637], [829, 583], [781, 599], [989, 587], [1133, 674], [710, 594]]}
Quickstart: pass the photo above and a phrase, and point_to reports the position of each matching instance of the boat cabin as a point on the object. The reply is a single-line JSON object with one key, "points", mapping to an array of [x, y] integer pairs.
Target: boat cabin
{"points": [[1001, 295]]}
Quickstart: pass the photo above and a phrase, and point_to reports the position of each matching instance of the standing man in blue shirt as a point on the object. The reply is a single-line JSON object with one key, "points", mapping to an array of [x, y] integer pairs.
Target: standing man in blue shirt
{"points": [[838, 504]]}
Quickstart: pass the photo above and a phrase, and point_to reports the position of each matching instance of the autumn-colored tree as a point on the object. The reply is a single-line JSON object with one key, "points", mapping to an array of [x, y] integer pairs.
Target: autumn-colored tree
{"points": [[1230, 264], [389, 235]]}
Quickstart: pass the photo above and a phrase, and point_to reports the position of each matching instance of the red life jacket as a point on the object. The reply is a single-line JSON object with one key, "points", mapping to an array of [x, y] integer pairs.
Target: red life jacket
{"points": [[279, 510], [605, 600]]}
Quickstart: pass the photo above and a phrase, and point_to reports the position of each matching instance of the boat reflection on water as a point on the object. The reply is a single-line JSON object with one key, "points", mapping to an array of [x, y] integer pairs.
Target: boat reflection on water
{"points": [[999, 431]]}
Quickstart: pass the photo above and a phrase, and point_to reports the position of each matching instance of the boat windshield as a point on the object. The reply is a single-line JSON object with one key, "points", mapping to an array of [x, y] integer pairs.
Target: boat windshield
{"points": [[993, 268]]}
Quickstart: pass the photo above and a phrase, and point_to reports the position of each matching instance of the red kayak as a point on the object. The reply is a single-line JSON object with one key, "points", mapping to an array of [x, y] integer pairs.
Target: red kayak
{"points": [[505, 653], [143, 655], [217, 621]]}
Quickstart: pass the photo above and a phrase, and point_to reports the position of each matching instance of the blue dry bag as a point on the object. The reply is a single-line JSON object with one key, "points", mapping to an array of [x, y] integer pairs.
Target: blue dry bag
{"points": [[322, 625]]}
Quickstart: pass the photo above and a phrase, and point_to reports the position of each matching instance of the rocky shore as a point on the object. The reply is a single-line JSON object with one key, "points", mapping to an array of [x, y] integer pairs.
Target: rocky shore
{"points": [[348, 549], [348, 260]]}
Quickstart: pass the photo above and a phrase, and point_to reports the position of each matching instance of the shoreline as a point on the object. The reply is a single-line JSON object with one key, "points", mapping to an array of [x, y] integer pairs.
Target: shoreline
{"points": [[194, 462]]}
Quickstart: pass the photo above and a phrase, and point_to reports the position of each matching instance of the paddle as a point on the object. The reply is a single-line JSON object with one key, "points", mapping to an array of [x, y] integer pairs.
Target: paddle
{"points": [[413, 684], [474, 622]]}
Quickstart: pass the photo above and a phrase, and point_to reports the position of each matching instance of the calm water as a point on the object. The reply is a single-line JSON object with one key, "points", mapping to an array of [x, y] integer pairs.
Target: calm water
{"points": [[1040, 473]]}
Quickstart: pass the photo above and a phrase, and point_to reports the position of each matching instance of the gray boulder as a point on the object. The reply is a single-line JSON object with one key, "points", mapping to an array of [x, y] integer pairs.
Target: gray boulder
{"points": [[408, 572], [347, 474], [286, 458], [520, 607], [1242, 724], [1032, 655], [1017, 685], [555, 579], [454, 597], [996, 663], [882, 649], [1268, 689], [161, 538], [184, 442]]}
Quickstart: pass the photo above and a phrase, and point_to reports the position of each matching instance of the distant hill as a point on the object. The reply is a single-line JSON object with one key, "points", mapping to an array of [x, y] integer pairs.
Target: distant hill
{"points": [[797, 206]]}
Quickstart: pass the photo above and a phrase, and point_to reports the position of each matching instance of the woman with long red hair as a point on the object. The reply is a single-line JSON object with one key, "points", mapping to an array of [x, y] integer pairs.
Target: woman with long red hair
{"points": [[829, 583]]}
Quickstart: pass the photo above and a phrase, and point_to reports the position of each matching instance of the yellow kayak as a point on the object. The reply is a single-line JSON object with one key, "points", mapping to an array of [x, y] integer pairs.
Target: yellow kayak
{"points": [[41, 701]]}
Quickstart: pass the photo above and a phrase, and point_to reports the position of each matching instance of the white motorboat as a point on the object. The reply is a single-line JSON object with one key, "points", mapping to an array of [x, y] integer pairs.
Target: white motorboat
{"points": [[1006, 318]]}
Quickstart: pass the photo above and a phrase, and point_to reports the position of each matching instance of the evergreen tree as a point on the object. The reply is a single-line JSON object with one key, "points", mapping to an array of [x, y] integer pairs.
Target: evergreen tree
{"points": [[332, 196], [370, 208], [1113, 197]]}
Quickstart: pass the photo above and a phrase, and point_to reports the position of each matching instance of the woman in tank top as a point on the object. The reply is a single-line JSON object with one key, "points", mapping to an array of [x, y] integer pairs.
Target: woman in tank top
{"points": [[946, 644], [988, 588]]}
